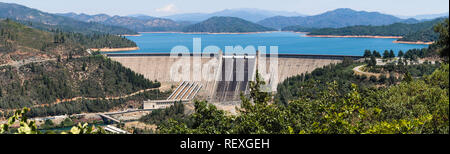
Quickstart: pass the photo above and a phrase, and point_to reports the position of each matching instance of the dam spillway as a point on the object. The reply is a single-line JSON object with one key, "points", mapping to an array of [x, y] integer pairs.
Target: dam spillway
{"points": [[235, 75], [227, 76]]}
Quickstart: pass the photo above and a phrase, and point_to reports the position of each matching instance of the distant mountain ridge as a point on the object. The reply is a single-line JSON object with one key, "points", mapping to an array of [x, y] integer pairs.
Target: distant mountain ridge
{"points": [[250, 14], [47, 21], [139, 23], [226, 25], [21, 42], [103, 23], [335, 19]]}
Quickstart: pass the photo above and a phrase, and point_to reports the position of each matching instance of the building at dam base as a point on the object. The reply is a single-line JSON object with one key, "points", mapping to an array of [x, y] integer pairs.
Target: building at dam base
{"points": [[223, 77]]}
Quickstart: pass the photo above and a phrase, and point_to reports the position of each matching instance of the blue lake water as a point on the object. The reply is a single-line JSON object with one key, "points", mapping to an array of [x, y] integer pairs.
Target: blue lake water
{"points": [[287, 42]]}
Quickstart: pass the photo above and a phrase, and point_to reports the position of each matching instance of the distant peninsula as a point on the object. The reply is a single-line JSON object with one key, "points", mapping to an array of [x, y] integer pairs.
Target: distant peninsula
{"points": [[419, 33], [226, 25]]}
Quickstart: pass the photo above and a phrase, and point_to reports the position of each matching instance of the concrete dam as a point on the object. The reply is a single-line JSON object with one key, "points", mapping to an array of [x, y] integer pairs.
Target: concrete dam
{"points": [[223, 77]]}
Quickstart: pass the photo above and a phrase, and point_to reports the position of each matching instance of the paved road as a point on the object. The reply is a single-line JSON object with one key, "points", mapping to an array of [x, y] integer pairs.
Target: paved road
{"points": [[358, 71]]}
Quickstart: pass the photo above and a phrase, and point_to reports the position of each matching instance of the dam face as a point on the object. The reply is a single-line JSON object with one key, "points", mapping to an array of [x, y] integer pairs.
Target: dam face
{"points": [[223, 77]]}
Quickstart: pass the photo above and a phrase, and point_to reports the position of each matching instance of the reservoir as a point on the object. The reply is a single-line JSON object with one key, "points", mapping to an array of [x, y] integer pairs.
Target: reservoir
{"points": [[287, 42]]}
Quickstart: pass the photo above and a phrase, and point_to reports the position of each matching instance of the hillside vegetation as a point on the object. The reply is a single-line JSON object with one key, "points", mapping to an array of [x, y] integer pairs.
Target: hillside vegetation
{"points": [[19, 42], [46, 82], [334, 19], [66, 71], [138, 24], [411, 32], [226, 25], [414, 107]]}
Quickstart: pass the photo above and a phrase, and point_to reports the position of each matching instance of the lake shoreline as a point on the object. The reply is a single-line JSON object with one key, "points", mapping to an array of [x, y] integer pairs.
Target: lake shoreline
{"points": [[355, 36], [116, 49], [411, 42], [210, 32]]}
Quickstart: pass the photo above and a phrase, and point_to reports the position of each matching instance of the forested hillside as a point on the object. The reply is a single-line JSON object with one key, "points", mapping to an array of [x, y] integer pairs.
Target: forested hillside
{"points": [[46, 82], [19, 42], [411, 32], [53, 74], [226, 25], [249, 14], [419, 106]]}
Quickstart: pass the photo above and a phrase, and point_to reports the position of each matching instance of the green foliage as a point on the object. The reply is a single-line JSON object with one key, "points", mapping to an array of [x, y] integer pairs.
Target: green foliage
{"points": [[29, 127], [376, 54], [425, 35], [415, 54], [400, 53], [207, 119], [47, 124], [26, 126], [442, 43], [415, 107], [311, 84], [386, 54], [372, 61], [15, 36], [367, 53], [175, 112], [440, 77], [391, 54], [226, 24], [92, 40], [257, 116], [400, 126], [85, 129], [47, 82], [416, 70], [67, 123]]}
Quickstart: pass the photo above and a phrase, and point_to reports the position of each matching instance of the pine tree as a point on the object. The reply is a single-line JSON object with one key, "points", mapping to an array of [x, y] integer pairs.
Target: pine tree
{"points": [[400, 54], [391, 54], [367, 53], [385, 54], [373, 61], [376, 54]]}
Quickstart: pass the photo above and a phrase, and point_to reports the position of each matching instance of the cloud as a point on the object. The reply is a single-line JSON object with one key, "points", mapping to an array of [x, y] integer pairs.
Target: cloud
{"points": [[171, 8]]}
